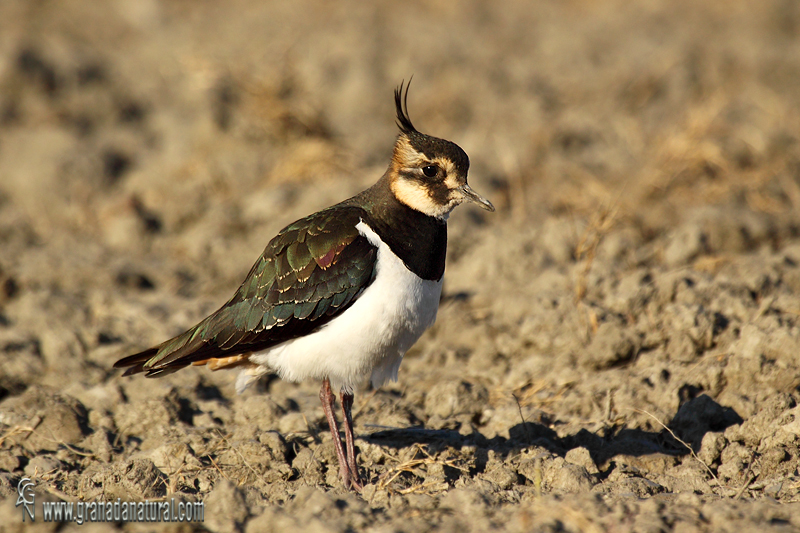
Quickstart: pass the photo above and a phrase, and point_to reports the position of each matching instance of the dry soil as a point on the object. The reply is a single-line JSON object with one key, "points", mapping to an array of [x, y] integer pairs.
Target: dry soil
{"points": [[617, 348]]}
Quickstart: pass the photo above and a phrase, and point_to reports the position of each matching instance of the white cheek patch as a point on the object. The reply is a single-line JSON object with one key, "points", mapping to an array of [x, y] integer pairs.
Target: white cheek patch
{"points": [[416, 197]]}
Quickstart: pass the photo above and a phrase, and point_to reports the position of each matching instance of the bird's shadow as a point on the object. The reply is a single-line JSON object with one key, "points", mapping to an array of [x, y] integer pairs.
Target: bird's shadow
{"points": [[681, 436]]}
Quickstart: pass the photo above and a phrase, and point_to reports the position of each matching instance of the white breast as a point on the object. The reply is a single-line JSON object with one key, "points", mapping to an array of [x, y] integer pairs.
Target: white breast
{"points": [[369, 339]]}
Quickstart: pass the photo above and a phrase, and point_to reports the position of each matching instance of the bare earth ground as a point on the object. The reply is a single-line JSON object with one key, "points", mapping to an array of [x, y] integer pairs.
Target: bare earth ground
{"points": [[618, 347]]}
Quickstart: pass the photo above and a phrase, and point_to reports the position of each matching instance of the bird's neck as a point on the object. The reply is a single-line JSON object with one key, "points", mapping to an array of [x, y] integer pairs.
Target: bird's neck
{"points": [[419, 240]]}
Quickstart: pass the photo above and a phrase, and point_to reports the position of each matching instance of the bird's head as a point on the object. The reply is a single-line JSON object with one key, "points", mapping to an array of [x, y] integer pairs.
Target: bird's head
{"points": [[426, 173]]}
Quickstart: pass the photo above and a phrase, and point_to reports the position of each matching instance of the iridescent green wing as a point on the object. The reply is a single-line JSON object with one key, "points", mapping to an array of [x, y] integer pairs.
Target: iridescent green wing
{"points": [[309, 273]]}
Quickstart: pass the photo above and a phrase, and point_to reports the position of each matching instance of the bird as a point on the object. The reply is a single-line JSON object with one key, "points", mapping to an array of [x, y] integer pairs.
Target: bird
{"points": [[340, 295]]}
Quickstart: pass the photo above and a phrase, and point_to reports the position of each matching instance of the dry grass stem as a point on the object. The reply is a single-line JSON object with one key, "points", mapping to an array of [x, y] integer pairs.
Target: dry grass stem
{"points": [[411, 466], [14, 431], [686, 445]]}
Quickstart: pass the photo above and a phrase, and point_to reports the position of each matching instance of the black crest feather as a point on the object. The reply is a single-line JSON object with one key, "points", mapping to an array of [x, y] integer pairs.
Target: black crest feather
{"points": [[401, 103]]}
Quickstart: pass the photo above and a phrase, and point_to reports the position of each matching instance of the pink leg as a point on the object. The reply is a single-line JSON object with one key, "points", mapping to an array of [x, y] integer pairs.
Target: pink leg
{"points": [[347, 406], [328, 398]]}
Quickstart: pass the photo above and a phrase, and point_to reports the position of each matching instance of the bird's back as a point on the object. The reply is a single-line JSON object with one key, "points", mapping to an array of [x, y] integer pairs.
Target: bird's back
{"points": [[309, 273]]}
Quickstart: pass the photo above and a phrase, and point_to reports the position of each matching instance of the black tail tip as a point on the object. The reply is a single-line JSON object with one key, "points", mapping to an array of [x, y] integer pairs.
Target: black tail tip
{"points": [[136, 362]]}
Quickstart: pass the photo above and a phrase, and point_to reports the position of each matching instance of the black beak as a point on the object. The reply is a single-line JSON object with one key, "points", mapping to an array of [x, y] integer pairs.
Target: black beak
{"points": [[471, 195]]}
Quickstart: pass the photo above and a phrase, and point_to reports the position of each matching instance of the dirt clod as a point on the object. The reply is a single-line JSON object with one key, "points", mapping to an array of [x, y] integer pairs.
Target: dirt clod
{"points": [[617, 347]]}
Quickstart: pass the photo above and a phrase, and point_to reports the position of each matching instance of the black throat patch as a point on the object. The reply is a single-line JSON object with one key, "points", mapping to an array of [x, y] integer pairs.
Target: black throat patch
{"points": [[419, 240]]}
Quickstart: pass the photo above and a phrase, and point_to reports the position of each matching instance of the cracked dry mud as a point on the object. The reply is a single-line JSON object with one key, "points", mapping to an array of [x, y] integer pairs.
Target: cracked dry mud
{"points": [[617, 349]]}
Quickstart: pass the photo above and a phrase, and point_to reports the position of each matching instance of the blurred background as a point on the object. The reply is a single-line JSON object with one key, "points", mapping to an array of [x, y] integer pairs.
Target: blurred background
{"points": [[141, 124], [644, 159]]}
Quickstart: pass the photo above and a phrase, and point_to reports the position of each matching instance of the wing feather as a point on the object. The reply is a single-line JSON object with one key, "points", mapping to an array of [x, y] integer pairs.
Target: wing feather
{"points": [[310, 272]]}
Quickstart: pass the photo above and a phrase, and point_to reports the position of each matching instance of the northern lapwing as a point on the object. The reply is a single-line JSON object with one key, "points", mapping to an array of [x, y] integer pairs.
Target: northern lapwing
{"points": [[339, 296]]}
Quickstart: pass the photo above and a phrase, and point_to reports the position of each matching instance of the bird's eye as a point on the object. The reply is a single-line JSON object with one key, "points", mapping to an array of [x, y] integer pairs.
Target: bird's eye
{"points": [[430, 170]]}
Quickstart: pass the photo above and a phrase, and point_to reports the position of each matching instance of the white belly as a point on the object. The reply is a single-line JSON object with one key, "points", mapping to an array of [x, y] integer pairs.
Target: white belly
{"points": [[369, 339]]}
